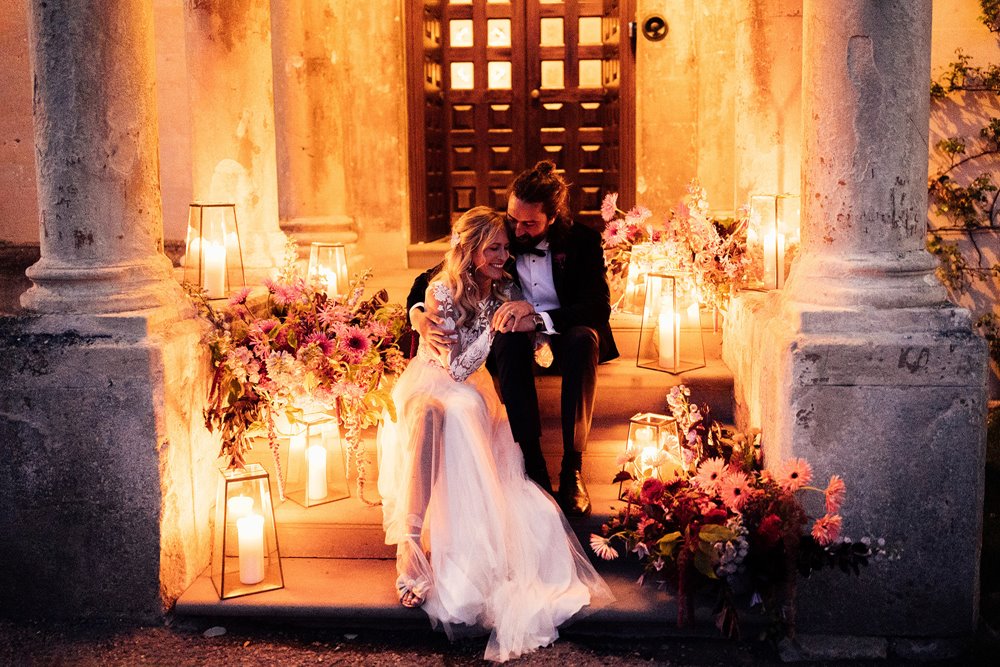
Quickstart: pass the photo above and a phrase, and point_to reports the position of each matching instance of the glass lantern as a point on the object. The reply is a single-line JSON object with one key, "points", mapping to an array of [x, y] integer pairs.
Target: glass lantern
{"points": [[316, 467], [328, 262], [671, 338], [656, 442], [213, 257], [773, 234], [245, 555]]}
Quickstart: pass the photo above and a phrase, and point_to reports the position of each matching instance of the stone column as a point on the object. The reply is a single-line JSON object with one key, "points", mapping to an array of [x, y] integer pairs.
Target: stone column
{"points": [[866, 370], [232, 121], [768, 98], [95, 140], [107, 478], [313, 168]]}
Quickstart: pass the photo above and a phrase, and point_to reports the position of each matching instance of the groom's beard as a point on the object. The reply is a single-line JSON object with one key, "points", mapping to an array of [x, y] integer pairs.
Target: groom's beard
{"points": [[525, 241]]}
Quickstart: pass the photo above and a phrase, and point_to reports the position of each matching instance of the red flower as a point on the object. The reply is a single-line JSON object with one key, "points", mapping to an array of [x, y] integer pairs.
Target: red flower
{"points": [[355, 345], [652, 491], [769, 530]]}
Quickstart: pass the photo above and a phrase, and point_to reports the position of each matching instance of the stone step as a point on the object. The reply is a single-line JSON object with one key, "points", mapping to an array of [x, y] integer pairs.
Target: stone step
{"points": [[350, 528], [361, 593], [357, 586]]}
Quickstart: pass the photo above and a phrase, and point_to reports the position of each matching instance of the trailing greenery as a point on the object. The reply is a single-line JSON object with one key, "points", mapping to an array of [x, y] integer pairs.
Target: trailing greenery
{"points": [[967, 202]]}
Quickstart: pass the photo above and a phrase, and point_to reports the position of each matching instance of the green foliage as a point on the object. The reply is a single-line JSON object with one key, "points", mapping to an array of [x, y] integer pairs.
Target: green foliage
{"points": [[991, 14], [966, 202]]}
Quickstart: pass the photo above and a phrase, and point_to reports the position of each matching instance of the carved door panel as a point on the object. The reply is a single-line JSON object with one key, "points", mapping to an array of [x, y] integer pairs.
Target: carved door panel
{"points": [[523, 81]]}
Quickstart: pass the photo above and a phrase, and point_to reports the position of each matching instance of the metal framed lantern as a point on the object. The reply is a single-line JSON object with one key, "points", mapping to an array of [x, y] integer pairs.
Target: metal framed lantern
{"points": [[245, 557], [671, 338], [316, 466], [328, 261], [773, 233], [653, 441], [213, 256]]}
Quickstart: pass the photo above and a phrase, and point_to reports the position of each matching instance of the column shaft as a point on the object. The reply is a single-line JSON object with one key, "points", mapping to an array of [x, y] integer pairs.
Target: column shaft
{"points": [[864, 183], [96, 160]]}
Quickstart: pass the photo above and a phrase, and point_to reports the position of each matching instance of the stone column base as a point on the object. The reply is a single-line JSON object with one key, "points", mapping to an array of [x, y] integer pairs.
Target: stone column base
{"points": [[894, 401], [108, 475]]}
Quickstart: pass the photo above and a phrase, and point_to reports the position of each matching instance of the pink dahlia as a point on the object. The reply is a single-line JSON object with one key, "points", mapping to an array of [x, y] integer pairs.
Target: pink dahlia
{"points": [[239, 297], [827, 529], [835, 492], [793, 474], [354, 344]]}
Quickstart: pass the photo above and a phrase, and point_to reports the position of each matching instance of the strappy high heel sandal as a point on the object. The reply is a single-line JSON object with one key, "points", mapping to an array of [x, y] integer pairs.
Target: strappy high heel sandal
{"points": [[411, 592]]}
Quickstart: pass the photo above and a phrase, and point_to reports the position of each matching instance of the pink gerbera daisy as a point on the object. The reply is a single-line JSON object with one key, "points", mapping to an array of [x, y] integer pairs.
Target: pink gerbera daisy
{"points": [[602, 548], [710, 473], [793, 474], [735, 490], [322, 341], [240, 297], [835, 492], [354, 344], [609, 206], [827, 529]]}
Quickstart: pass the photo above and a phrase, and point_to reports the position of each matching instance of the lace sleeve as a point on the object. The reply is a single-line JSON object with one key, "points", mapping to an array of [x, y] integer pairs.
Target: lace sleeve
{"points": [[470, 350]]}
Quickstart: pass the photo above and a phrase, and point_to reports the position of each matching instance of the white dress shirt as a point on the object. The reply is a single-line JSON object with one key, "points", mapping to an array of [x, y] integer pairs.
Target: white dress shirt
{"points": [[537, 285]]}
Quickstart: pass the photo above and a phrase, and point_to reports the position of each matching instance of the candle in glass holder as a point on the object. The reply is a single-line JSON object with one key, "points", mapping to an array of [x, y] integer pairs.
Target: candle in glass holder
{"points": [[250, 534], [214, 275], [666, 338], [316, 488], [239, 507]]}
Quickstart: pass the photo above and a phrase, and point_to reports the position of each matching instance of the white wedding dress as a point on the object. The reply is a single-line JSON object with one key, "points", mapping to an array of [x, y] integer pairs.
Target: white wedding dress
{"points": [[501, 557]]}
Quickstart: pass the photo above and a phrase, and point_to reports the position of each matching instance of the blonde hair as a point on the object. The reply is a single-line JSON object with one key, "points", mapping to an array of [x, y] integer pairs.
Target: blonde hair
{"points": [[475, 229]]}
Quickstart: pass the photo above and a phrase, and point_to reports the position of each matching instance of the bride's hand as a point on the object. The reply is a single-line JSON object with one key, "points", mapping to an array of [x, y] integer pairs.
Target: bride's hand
{"points": [[514, 316], [432, 331]]}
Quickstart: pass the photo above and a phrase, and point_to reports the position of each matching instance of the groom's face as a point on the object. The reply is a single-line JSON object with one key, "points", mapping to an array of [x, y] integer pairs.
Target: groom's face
{"points": [[527, 221]]}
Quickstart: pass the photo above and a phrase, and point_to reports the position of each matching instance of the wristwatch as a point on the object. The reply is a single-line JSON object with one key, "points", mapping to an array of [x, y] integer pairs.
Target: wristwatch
{"points": [[539, 322]]}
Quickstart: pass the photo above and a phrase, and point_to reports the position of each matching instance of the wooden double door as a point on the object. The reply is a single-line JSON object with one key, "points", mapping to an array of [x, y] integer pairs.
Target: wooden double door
{"points": [[496, 85]]}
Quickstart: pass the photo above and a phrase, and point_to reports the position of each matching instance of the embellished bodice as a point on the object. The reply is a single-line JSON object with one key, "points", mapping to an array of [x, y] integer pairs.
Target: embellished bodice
{"points": [[475, 336]]}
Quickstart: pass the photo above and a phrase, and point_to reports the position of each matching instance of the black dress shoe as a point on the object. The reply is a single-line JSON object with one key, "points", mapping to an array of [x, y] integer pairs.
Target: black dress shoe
{"points": [[573, 496]]}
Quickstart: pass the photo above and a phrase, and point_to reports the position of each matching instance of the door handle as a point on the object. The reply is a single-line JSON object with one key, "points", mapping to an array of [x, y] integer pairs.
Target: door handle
{"points": [[535, 93]]}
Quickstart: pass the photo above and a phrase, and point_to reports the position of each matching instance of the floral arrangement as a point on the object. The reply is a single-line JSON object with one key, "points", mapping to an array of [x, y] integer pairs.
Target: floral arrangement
{"points": [[724, 521], [298, 350], [713, 251]]}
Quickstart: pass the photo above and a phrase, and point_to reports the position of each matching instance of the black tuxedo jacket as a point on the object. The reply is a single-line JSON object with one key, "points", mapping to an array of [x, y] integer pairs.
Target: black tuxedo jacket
{"points": [[579, 277]]}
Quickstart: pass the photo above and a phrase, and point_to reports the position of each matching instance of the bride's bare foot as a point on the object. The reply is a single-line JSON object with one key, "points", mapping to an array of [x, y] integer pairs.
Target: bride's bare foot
{"points": [[409, 599]]}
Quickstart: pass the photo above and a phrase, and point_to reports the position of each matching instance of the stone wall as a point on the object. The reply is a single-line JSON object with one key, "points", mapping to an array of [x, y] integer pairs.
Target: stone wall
{"points": [[107, 484]]}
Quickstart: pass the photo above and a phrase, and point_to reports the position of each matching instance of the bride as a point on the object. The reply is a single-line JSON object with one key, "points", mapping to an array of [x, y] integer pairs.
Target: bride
{"points": [[479, 546]]}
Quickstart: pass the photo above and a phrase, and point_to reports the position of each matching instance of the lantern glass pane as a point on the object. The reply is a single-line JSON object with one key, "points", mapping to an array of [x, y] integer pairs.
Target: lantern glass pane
{"points": [[245, 556]]}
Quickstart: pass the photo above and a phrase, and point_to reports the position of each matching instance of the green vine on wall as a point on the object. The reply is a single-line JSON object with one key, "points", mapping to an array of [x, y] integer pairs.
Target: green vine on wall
{"points": [[967, 203]]}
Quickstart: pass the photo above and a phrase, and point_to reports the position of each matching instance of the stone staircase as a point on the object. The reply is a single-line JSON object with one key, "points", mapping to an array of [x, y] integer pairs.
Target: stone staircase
{"points": [[337, 568]]}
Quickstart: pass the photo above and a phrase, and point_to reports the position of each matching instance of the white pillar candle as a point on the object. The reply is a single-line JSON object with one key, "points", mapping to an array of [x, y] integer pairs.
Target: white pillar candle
{"points": [[214, 274], [779, 262], [296, 456], [238, 507], [329, 278], [643, 437], [770, 260], [316, 481], [665, 331], [250, 534]]}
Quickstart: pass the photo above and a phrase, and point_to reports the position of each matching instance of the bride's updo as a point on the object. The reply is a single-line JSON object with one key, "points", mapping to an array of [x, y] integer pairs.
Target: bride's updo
{"points": [[476, 228]]}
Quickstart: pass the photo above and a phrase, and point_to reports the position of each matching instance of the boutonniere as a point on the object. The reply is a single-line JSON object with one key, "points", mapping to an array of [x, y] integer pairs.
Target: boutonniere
{"points": [[560, 259]]}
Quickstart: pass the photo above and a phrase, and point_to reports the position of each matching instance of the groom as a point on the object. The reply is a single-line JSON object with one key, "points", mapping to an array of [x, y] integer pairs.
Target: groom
{"points": [[559, 267]]}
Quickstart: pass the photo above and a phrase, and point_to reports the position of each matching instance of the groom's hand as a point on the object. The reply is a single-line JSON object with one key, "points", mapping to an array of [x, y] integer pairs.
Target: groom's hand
{"points": [[431, 330], [514, 316]]}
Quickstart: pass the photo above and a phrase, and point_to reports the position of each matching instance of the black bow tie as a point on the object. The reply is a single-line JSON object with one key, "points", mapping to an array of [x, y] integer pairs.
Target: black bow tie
{"points": [[531, 251]]}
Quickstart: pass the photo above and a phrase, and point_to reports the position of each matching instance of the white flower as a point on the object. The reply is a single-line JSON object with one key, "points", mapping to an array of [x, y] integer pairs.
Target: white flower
{"points": [[602, 548]]}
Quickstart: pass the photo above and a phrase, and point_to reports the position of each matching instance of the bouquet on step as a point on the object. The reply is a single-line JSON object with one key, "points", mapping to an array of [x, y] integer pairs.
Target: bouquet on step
{"points": [[728, 523]]}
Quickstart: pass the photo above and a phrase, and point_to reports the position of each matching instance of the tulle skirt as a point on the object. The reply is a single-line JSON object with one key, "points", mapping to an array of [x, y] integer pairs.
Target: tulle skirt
{"points": [[487, 548]]}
